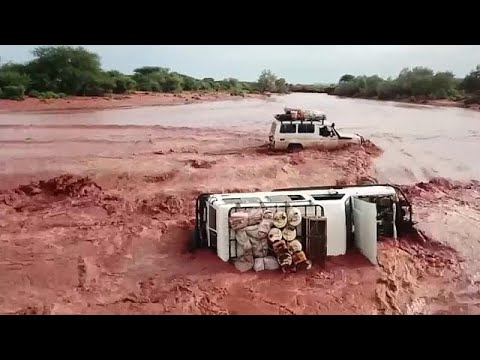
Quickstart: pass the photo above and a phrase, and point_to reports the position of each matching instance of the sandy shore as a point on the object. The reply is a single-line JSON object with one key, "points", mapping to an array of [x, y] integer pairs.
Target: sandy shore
{"points": [[116, 101]]}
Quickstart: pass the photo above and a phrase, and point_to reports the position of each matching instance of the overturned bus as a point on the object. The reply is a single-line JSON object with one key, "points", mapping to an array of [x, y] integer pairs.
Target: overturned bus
{"points": [[301, 225]]}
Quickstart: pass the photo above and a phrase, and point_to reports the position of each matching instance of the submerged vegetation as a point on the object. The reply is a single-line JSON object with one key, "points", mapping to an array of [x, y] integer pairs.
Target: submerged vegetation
{"points": [[58, 71]]}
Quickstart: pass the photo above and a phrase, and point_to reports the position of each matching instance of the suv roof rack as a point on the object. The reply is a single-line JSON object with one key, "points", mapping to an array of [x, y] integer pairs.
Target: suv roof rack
{"points": [[286, 118], [288, 110]]}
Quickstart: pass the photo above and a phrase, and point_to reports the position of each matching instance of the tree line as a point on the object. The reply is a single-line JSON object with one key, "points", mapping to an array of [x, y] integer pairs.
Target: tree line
{"points": [[418, 83], [58, 71]]}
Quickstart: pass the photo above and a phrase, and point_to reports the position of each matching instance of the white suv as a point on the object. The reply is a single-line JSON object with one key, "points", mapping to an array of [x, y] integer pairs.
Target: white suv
{"points": [[312, 131]]}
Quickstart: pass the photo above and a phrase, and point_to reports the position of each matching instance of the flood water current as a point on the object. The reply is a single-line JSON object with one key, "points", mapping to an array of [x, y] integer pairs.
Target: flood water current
{"points": [[419, 142]]}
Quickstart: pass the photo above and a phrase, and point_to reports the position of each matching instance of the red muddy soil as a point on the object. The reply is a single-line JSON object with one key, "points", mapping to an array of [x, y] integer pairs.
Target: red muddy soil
{"points": [[112, 235], [449, 212], [116, 101]]}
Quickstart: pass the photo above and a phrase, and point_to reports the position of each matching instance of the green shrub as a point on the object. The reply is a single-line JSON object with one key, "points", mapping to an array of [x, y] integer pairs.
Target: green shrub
{"points": [[346, 89], [330, 90], [386, 90], [440, 94], [46, 95], [1, 93], [153, 86], [124, 84], [173, 83], [204, 85], [98, 86], [13, 92], [50, 95], [455, 95], [144, 85], [472, 100], [237, 92], [34, 94], [189, 83], [13, 78]]}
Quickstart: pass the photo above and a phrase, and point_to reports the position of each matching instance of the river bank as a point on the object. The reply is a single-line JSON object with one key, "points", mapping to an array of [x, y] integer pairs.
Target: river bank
{"points": [[114, 101], [427, 102], [143, 99], [440, 103]]}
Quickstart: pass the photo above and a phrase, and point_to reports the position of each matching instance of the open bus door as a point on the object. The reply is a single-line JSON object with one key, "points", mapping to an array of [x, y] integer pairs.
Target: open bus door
{"points": [[365, 224]]}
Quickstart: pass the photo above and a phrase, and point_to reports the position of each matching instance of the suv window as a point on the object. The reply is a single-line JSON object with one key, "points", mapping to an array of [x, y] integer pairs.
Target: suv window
{"points": [[306, 128], [325, 131], [288, 129], [212, 218], [283, 198]]}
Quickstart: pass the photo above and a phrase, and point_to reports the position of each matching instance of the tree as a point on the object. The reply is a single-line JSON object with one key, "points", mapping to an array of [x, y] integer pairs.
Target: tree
{"points": [[13, 78], [386, 90], [10, 66], [422, 85], [372, 85], [224, 84], [114, 73], [247, 86], [13, 92], [266, 81], [173, 83], [189, 83], [420, 71], [123, 84], [233, 83], [346, 89], [147, 70], [443, 80], [443, 84], [96, 84], [404, 82], [205, 85], [63, 68], [346, 78], [471, 83], [281, 86]]}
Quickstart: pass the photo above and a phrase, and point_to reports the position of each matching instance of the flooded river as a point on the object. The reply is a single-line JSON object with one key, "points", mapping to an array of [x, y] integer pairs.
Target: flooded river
{"points": [[419, 142], [113, 237]]}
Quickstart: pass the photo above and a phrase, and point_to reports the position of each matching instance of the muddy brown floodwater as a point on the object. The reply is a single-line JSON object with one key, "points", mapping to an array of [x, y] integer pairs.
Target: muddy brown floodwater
{"points": [[97, 209]]}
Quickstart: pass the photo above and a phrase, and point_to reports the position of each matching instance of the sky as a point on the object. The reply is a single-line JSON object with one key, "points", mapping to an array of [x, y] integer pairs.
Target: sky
{"points": [[296, 63]]}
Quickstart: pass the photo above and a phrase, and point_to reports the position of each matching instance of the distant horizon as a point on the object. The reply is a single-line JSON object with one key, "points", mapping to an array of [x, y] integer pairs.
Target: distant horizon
{"points": [[298, 64]]}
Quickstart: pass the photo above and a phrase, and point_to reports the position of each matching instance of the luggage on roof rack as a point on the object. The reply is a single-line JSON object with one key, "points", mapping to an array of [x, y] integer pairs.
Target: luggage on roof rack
{"points": [[303, 114], [288, 117]]}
